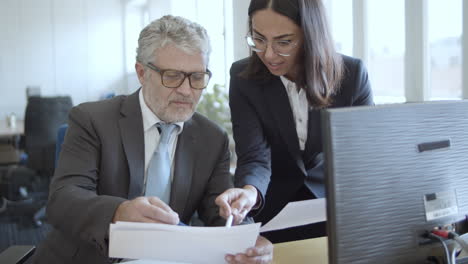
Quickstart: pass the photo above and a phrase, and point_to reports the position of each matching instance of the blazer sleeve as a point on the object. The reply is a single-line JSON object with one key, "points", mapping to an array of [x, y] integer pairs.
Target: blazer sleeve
{"points": [[74, 207], [253, 151], [219, 181], [360, 87]]}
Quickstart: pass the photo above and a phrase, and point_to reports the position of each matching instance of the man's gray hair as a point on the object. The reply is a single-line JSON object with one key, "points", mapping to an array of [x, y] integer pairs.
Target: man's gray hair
{"points": [[183, 33]]}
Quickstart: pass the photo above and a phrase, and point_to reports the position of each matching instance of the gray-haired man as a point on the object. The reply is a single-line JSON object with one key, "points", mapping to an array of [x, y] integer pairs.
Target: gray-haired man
{"points": [[108, 167]]}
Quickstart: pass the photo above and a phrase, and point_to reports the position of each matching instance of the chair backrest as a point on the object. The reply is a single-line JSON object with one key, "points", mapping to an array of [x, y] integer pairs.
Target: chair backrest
{"points": [[60, 136], [43, 117]]}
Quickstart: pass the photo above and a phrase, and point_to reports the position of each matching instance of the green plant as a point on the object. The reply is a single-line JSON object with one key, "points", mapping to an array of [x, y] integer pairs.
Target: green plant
{"points": [[215, 105]]}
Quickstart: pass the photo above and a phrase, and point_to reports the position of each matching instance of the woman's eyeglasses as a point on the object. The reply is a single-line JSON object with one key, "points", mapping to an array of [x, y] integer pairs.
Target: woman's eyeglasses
{"points": [[280, 47]]}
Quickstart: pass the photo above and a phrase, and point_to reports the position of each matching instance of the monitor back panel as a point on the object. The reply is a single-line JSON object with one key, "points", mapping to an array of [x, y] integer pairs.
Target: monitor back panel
{"points": [[391, 175]]}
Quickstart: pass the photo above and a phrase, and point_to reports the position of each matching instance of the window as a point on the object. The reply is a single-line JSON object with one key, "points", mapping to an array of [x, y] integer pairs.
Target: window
{"points": [[386, 25], [209, 14], [134, 23], [384, 46], [341, 23], [444, 34]]}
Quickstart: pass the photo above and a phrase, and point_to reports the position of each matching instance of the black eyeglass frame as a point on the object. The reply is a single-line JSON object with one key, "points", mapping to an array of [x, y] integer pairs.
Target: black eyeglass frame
{"points": [[186, 74]]}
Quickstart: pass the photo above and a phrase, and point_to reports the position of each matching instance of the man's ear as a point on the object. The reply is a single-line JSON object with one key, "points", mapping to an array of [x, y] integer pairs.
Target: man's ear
{"points": [[140, 70]]}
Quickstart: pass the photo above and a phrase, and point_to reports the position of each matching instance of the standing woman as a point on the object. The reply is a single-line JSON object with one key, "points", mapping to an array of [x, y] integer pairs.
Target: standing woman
{"points": [[275, 97]]}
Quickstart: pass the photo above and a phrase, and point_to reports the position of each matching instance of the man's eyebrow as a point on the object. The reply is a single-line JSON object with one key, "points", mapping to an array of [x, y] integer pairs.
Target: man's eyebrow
{"points": [[277, 37]]}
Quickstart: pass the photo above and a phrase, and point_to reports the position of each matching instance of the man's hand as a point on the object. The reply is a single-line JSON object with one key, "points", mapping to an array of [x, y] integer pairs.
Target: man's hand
{"points": [[237, 201], [146, 210], [260, 254]]}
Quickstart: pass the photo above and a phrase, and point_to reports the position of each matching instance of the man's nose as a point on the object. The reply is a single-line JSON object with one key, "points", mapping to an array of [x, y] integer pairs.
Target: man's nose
{"points": [[185, 88]]}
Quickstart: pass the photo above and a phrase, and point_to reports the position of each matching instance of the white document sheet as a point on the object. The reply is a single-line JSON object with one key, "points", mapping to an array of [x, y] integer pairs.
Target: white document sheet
{"points": [[297, 214], [174, 243], [151, 261]]}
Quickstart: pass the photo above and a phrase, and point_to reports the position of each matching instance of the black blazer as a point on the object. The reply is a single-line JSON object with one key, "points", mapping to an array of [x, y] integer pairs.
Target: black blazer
{"points": [[267, 145]]}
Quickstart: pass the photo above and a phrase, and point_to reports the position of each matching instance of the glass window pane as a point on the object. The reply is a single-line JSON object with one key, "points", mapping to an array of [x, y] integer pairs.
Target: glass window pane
{"points": [[386, 25], [209, 14], [340, 16], [444, 33]]}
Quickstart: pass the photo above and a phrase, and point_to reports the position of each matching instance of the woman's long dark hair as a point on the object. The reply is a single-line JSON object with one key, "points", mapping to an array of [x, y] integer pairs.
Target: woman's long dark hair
{"points": [[320, 69]]}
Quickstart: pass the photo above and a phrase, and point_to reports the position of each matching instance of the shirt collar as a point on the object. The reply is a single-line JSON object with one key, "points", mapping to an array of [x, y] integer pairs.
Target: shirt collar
{"points": [[150, 119], [288, 84], [291, 87]]}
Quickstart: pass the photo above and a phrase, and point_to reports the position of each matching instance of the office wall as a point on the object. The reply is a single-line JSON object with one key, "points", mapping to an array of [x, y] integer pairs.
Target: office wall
{"points": [[67, 47]]}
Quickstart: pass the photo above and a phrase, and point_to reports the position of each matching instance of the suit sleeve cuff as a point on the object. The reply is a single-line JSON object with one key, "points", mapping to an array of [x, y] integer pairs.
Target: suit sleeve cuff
{"points": [[258, 205]]}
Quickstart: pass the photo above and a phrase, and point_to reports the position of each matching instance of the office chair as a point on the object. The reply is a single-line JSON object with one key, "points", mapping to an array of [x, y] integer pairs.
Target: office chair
{"points": [[22, 253], [43, 117], [60, 137], [58, 145]]}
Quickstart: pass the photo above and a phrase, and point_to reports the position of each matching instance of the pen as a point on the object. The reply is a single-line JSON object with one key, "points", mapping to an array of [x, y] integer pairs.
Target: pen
{"points": [[229, 221]]}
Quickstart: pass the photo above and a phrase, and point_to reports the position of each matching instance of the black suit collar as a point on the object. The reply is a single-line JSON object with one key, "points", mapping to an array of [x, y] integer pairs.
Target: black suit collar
{"points": [[279, 105]]}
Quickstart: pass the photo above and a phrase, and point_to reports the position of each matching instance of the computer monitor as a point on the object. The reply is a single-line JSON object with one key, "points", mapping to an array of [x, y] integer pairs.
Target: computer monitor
{"points": [[392, 172]]}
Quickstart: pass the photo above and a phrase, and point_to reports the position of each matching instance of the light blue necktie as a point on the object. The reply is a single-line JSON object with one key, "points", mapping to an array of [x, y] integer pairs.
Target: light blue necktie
{"points": [[158, 182]]}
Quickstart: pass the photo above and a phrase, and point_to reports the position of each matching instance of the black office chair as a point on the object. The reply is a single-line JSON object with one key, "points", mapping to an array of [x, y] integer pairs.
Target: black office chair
{"points": [[43, 117], [21, 253]]}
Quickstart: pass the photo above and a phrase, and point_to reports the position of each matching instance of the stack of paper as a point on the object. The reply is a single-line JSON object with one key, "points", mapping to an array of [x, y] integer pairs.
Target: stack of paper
{"points": [[187, 244], [179, 243]]}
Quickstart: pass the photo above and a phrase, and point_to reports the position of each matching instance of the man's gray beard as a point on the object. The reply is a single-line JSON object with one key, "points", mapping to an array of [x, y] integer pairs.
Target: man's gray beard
{"points": [[174, 118]]}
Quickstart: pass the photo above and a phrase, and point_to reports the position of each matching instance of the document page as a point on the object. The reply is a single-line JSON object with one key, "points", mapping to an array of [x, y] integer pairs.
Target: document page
{"points": [[297, 214], [185, 244], [151, 261]]}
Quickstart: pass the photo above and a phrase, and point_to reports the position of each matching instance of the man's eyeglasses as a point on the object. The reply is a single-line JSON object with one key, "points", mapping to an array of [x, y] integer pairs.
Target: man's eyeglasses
{"points": [[174, 79], [280, 47]]}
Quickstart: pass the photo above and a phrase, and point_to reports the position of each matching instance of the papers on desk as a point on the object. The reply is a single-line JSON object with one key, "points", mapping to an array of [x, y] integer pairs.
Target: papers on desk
{"points": [[188, 244], [184, 244], [297, 214], [151, 261]]}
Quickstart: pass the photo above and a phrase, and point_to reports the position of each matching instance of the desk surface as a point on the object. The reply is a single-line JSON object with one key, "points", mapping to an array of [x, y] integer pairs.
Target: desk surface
{"points": [[302, 251], [6, 131]]}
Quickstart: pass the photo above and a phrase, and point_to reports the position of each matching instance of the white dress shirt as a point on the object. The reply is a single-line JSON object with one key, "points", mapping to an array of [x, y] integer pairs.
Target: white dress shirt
{"points": [[151, 134], [300, 109]]}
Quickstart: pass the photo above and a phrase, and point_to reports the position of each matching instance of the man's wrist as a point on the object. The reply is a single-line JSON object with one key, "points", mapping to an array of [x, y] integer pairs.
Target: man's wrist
{"points": [[117, 214]]}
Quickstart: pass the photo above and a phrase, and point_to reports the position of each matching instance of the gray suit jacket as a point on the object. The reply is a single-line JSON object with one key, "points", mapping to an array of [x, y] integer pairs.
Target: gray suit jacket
{"points": [[102, 164]]}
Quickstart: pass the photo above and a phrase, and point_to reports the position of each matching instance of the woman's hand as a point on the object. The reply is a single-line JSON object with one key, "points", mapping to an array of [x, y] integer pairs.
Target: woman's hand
{"points": [[237, 201]]}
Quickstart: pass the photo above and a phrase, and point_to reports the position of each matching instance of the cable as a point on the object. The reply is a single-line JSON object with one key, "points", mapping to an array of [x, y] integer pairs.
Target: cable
{"points": [[454, 255], [446, 251], [459, 240]]}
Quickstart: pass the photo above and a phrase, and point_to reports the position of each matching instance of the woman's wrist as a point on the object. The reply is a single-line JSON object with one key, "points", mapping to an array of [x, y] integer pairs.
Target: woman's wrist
{"points": [[258, 199]]}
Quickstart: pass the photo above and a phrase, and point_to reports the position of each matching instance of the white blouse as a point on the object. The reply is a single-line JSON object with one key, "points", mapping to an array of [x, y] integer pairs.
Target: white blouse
{"points": [[300, 109]]}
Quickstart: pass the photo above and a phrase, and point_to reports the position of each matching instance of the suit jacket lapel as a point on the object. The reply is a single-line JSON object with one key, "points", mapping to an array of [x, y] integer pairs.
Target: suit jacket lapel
{"points": [[184, 160], [131, 129], [314, 133], [279, 105]]}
